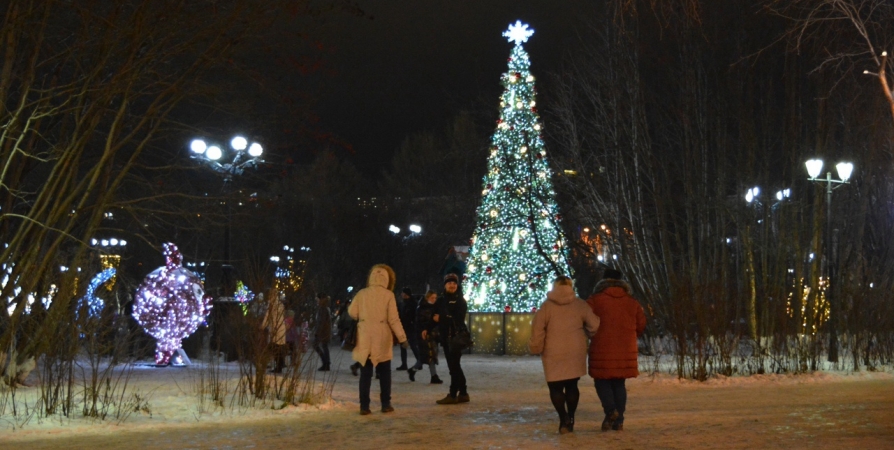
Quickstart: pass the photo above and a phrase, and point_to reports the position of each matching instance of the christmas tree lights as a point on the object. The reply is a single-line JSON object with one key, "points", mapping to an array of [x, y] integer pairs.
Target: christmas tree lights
{"points": [[170, 304], [517, 249]]}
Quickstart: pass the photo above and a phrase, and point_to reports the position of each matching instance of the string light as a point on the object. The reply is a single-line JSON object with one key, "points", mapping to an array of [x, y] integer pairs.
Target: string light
{"points": [[170, 304]]}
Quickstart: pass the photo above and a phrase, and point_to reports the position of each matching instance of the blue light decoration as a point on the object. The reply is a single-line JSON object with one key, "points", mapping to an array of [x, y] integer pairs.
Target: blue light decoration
{"points": [[94, 303], [517, 248], [170, 304]]}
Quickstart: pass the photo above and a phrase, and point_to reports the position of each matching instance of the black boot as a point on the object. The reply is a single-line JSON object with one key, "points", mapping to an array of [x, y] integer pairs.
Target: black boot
{"points": [[569, 423], [609, 420], [412, 373], [436, 380]]}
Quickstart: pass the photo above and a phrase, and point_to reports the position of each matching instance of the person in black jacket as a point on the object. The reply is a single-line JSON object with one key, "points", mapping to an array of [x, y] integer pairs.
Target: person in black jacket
{"points": [[407, 313], [427, 330], [451, 317]]}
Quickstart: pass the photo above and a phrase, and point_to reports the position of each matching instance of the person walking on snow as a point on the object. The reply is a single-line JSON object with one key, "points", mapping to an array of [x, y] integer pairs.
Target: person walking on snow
{"points": [[613, 350], [274, 323], [559, 334], [451, 317], [408, 321], [323, 332], [375, 310], [428, 348]]}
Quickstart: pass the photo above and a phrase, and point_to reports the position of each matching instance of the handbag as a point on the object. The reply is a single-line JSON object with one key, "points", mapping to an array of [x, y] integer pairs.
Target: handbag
{"points": [[349, 341], [461, 339]]}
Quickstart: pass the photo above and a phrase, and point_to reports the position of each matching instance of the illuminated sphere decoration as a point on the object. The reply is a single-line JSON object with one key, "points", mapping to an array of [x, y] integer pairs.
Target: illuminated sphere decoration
{"points": [[170, 304]]}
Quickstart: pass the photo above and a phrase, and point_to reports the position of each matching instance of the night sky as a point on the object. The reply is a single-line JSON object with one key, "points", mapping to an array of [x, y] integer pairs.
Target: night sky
{"points": [[410, 66]]}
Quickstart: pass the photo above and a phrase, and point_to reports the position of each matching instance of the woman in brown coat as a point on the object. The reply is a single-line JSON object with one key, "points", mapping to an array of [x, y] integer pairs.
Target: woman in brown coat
{"points": [[559, 335], [613, 350]]}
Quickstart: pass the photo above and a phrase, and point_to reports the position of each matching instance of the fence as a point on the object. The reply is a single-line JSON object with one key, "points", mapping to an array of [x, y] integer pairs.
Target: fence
{"points": [[500, 333]]}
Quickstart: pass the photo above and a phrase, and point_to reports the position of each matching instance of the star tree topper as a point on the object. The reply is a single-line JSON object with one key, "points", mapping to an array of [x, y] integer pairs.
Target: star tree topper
{"points": [[518, 33]]}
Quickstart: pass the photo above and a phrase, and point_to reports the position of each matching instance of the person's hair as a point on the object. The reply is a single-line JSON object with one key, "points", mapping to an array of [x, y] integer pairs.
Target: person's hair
{"points": [[562, 280], [430, 292]]}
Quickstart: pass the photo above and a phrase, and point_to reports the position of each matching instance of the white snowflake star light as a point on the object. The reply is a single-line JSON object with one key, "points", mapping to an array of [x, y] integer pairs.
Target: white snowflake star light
{"points": [[518, 33]]}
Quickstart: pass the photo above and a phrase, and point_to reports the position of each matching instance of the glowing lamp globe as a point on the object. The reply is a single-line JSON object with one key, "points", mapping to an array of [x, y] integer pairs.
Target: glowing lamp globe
{"points": [[239, 143], [170, 304], [255, 150], [814, 167], [214, 153], [845, 169], [198, 146]]}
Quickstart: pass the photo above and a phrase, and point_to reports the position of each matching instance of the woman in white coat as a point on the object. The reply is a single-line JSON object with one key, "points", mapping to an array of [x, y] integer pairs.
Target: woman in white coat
{"points": [[378, 324], [559, 334]]}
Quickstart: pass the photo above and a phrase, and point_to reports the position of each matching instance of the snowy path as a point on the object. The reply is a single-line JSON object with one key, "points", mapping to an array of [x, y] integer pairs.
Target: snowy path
{"points": [[510, 409]]}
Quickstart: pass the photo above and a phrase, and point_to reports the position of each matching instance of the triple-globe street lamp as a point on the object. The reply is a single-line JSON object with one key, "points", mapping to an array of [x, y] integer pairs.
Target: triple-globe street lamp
{"points": [[814, 170], [230, 162]]}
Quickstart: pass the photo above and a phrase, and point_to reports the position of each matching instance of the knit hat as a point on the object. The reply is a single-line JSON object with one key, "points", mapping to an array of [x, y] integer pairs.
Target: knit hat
{"points": [[407, 291], [611, 274], [451, 277]]}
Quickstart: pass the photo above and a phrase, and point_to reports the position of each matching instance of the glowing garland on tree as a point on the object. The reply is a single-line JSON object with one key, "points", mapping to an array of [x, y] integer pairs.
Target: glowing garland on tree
{"points": [[170, 304], [517, 248]]}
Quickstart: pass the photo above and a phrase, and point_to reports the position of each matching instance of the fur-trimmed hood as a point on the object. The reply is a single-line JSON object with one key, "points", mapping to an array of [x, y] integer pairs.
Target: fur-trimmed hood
{"points": [[608, 283], [381, 275], [561, 294]]}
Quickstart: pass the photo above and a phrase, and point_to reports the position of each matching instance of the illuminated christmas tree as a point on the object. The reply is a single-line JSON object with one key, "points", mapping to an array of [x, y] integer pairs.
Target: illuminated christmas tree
{"points": [[517, 249]]}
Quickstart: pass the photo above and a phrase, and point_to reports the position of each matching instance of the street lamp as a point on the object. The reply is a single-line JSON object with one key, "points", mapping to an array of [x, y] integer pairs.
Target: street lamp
{"points": [[245, 155], [230, 164], [815, 169]]}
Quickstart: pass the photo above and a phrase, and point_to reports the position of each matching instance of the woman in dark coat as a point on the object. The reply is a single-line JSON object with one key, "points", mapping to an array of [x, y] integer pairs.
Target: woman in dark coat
{"points": [[613, 350]]}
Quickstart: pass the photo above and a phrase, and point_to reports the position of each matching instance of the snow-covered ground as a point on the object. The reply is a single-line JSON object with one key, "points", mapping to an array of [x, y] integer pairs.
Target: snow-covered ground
{"points": [[510, 408]]}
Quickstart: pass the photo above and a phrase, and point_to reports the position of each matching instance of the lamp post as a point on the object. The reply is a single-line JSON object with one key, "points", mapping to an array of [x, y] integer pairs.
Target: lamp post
{"points": [[814, 170], [239, 156]]}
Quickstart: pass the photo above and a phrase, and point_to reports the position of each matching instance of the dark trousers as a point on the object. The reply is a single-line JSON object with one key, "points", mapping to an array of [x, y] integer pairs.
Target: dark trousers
{"points": [[383, 371], [322, 349], [457, 377], [613, 395], [279, 357], [414, 347], [565, 395]]}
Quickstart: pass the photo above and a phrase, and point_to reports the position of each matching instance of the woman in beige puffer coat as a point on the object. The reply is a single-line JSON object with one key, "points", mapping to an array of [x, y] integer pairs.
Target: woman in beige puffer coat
{"points": [[378, 324], [559, 334]]}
